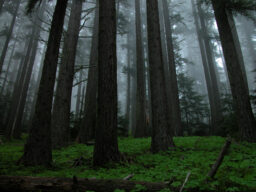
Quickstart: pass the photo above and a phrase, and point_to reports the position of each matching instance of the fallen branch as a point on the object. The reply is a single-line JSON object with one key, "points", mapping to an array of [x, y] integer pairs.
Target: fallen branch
{"points": [[220, 158], [186, 180], [128, 177]]}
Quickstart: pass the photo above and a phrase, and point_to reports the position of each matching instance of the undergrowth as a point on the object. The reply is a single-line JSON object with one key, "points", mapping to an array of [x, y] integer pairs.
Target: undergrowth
{"points": [[194, 154]]}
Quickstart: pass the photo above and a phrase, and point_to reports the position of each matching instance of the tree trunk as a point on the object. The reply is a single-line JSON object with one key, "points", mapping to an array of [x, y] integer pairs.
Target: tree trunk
{"points": [[106, 146], [212, 72], [140, 129], [9, 35], [161, 136], [128, 93], [17, 123], [61, 108], [78, 96], [37, 150], [206, 68], [242, 106], [87, 130], [176, 114]]}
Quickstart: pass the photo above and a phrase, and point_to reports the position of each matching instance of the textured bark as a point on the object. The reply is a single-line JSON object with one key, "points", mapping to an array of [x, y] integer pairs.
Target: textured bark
{"points": [[141, 128], [61, 108], [9, 35], [37, 150], [87, 130], [176, 114], [206, 68], [212, 72], [161, 136], [241, 100], [106, 146]]}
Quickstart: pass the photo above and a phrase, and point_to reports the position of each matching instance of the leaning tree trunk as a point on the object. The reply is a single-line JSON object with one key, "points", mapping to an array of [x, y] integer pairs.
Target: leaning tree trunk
{"points": [[87, 130], [37, 150], [161, 136], [212, 72], [61, 108], [9, 35], [140, 129], [242, 106], [106, 146], [176, 118], [17, 123]]}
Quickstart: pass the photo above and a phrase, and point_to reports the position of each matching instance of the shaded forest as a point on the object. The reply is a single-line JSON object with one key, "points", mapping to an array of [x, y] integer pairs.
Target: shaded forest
{"points": [[128, 95]]}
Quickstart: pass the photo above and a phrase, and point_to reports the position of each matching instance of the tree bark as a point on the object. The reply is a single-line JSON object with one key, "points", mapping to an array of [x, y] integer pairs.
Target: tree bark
{"points": [[9, 35], [87, 130], [106, 146], [212, 72], [176, 114], [241, 100], [161, 134], [141, 128], [37, 150], [61, 108]]}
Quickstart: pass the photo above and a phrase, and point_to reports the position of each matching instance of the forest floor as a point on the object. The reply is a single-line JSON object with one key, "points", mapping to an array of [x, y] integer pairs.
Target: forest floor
{"points": [[194, 154]]}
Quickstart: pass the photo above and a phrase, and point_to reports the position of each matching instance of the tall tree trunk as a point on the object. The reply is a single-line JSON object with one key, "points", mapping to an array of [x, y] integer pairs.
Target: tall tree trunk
{"points": [[212, 72], [18, 88], [106, 146], [87, 130], [37, 150], [141, 129], [61, 108], [166, 67], [161, 134], [206, 69], [9, 35], [176, 114], [128, 93], [242, 106]]}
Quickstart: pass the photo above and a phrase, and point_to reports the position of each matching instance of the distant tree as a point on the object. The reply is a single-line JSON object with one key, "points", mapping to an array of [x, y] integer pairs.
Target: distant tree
{"points": [[61, 108], [87, 129], [161, 130], [38, 149], [9, 34], [242, 106], [106, 146], [1, 5]]}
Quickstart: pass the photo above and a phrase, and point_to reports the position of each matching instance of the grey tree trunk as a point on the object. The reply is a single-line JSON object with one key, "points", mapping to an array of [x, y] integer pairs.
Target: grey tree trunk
{"points": [[212, 72], [106, 146], [176, 114], [141, 128], [128, 93], [37, 150], [78, 97], [9, 35], [242, 106], [213, 108], [1, 5], [87, 130], [161, 134], [61, 108]]}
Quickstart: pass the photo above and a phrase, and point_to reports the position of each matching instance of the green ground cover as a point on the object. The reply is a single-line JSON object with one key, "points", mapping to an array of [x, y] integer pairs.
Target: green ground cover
{"points": [[195, 154]]}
